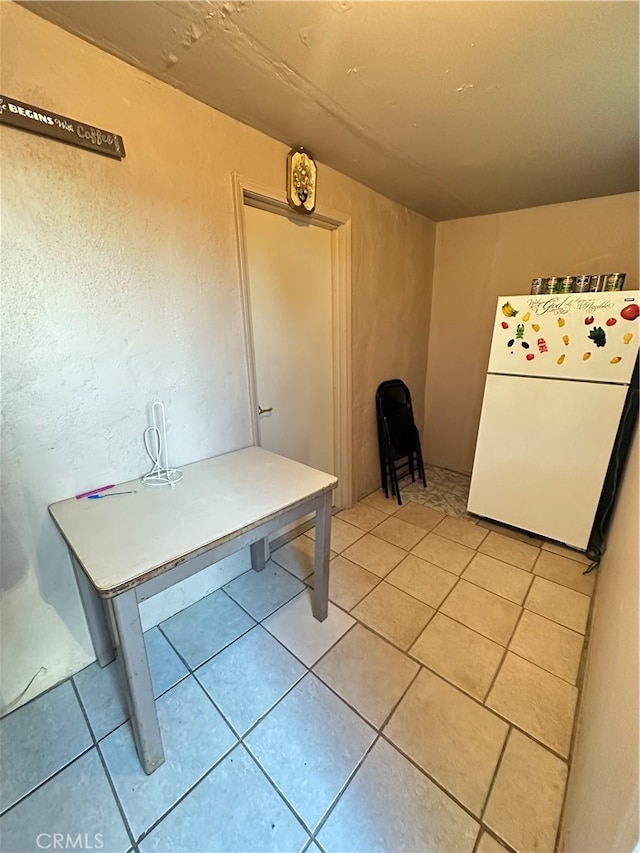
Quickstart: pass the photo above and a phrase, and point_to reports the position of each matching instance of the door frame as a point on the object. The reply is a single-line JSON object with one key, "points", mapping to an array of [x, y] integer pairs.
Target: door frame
{"points": [[248, 192]]}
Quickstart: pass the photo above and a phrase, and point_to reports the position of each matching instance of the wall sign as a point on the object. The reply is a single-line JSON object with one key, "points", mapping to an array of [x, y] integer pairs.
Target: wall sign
{"points": [[44, 122]]}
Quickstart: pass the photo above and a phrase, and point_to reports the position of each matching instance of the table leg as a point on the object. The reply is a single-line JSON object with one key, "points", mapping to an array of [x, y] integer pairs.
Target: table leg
{"points": [[321, 565], [110, 621], [259, 554], [96, 620], [146, 729]]}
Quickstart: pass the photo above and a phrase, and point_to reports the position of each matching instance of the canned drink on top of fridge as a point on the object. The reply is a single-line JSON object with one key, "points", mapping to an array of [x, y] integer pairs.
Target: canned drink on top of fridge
{"points": [[538, 286], [583, 283], [614, 281], [596, 283], [567, 283], [553, 285]]}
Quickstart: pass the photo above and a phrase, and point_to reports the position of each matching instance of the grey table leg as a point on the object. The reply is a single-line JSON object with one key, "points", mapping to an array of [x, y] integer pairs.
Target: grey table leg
{"points": [[321, 565], [110, 621], [259, 554], [94, 611], [146, 730]]}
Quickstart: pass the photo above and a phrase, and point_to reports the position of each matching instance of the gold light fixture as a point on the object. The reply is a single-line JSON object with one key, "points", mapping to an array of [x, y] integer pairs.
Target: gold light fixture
{"points": [[301, 180]]}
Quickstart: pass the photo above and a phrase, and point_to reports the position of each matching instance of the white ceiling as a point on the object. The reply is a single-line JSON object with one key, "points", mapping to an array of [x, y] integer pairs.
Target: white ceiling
{"points": [[451, 108]]}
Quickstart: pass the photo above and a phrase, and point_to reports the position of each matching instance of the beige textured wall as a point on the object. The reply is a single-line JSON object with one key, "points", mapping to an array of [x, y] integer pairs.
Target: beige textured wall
{"points": [[120, 286], [601, 812], [480, 258]]}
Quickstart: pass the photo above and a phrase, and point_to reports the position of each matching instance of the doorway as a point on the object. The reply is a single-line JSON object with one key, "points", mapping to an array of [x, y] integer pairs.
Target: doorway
{"points": [[289, 274], [310, 396]]}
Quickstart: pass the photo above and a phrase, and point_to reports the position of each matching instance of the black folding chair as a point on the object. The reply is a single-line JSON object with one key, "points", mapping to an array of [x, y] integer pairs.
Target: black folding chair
{"points": [[398, 437]]}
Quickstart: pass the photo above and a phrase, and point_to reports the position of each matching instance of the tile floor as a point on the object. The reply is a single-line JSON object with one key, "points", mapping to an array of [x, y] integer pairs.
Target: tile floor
{"points": [[431, 711]]}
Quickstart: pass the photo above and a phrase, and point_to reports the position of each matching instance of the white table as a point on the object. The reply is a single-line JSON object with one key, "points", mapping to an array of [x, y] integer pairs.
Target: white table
{"points": [[126, 548]]}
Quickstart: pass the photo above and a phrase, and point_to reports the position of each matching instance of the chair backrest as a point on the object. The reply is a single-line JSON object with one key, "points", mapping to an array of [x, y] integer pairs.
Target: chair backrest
{"points": [[393, 394]]}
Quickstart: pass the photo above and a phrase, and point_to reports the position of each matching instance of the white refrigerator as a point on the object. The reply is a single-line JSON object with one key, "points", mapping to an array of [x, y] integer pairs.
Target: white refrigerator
{"points": [[558, 376]]}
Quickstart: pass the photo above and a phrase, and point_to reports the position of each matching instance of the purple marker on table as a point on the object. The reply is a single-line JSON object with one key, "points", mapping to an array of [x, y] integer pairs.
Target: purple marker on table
{"points": [[94, 491], [110, 495]]}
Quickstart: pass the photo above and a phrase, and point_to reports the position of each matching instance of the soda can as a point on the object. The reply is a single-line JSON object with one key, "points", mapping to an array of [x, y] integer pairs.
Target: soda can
{"points": [[538, 286], [596, 283], [567, 284], [553, 285], [614, 281], [583, 283]]}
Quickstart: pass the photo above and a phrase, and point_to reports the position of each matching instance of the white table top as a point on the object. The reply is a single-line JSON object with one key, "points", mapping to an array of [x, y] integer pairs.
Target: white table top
{"points": [[123, 541]]}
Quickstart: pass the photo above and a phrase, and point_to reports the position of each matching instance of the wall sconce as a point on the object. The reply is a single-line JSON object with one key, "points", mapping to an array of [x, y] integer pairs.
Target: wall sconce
{"points": [[301, 180]]}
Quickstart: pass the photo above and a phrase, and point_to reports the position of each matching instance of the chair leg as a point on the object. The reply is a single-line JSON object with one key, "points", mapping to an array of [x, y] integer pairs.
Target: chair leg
{"points": [[383, 460], [383, 476], [390, 480], [394, 482], [421, 465]]}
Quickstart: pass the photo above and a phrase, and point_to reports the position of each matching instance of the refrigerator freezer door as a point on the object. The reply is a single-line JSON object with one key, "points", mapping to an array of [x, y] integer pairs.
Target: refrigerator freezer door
{"points": [[542, 454], [585, 336]]}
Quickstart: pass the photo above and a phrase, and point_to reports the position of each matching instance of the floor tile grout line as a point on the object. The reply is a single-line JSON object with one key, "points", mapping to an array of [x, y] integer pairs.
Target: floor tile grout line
{"points": [[226, 645], [294, 655], [239, 738], [5, 811], [495, 836], [502, 660], [562, 584], [383, 636], [333, 646], [399, 589], [249, 730], [116, 797], [543, 668], [146, 832], [279, 793], [435, 565], [578, 709], [448, 680], [395, 543], [495, 773], [353, 708], [555, 621], [406, 592], [456, 619], [83, 710], [420, 769], [260, 620], [49, 689], [136, 840], [292, 652], [515, 627], [325, 817], [493, 591], [48, 779], [377, 584], [390, 640], [482, 704], [430, 777], [582, 560], [311, 832], [400, 700], [529, 735], [493, 712]]}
